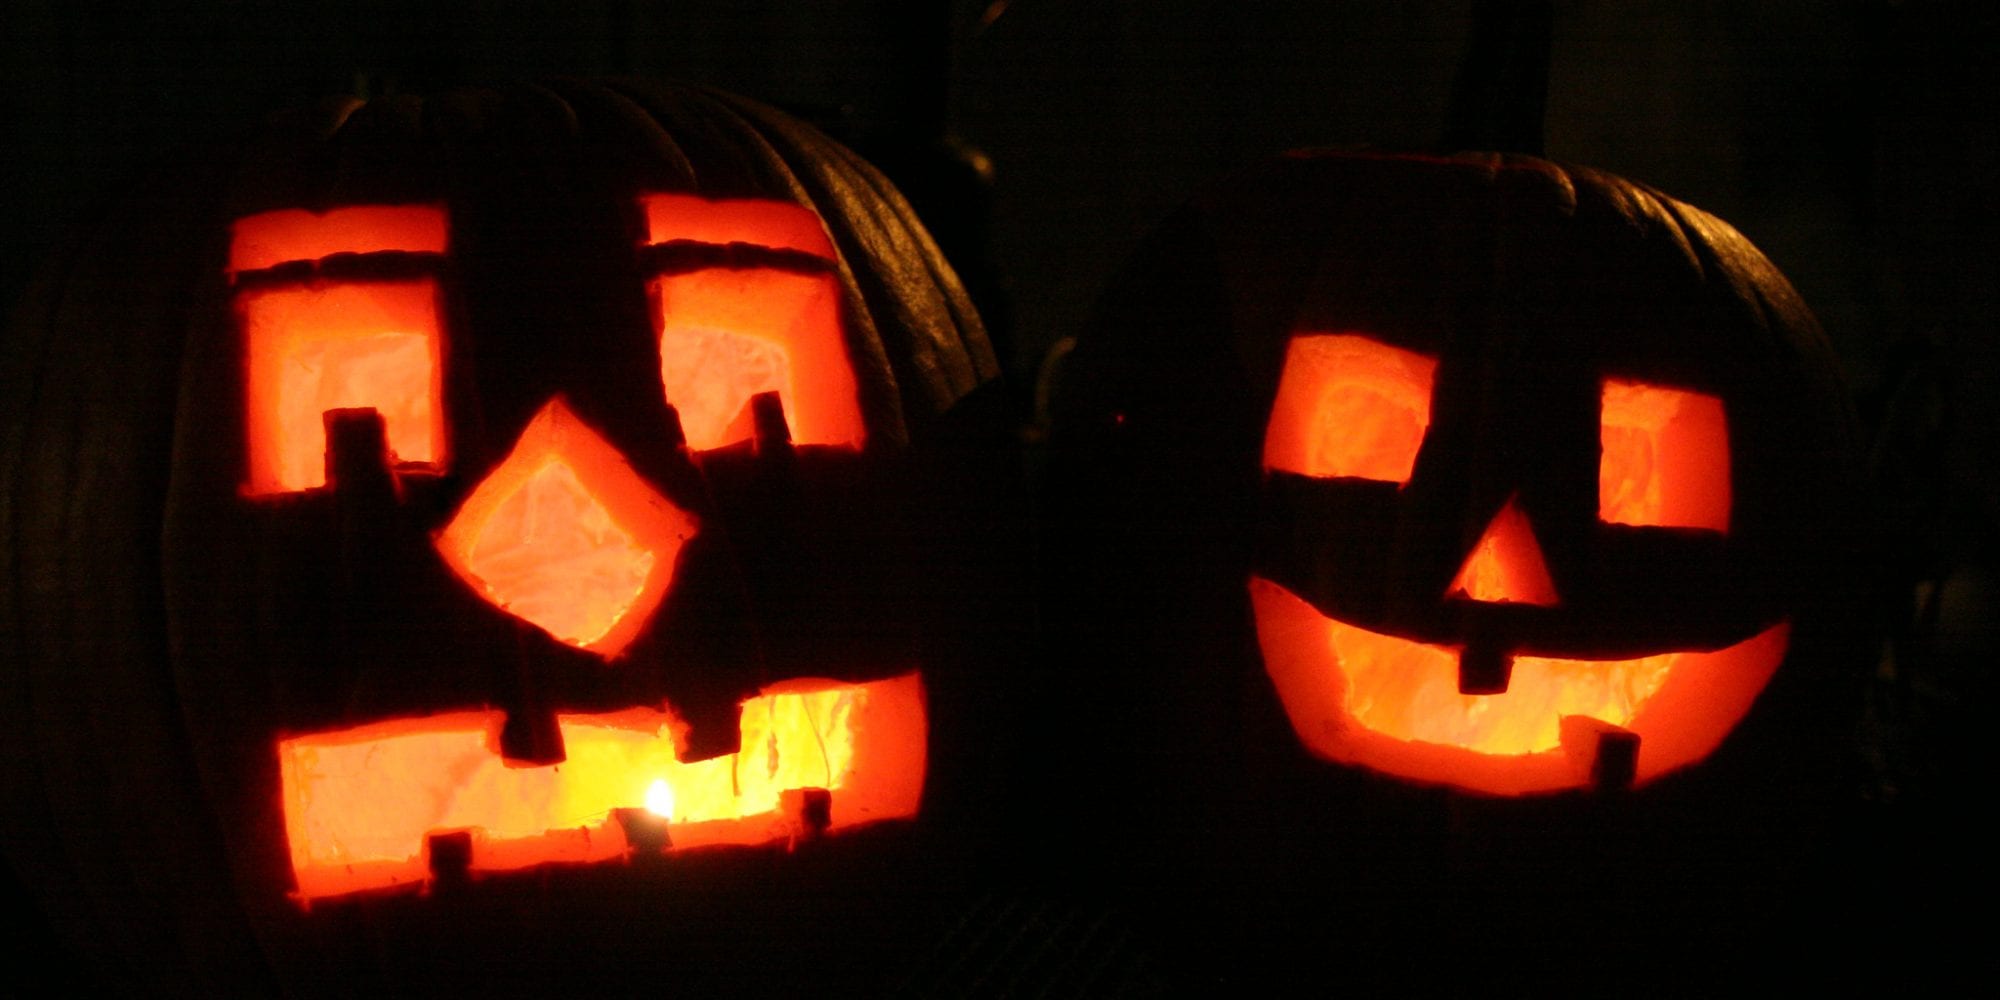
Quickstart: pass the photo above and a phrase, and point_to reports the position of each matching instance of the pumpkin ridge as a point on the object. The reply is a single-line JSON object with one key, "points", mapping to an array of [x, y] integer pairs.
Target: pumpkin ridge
{"points": [[890, 238]]}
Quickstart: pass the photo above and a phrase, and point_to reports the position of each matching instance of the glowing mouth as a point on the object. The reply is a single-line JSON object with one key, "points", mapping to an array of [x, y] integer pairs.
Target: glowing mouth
{"points": [[362, 804], [1393, 705]]}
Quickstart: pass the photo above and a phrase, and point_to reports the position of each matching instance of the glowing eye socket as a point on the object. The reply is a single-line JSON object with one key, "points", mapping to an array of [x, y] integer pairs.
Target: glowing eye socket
{"points": [[1665, 460], [730, 332], [317, 349], [327, 344], [1349, 406]]}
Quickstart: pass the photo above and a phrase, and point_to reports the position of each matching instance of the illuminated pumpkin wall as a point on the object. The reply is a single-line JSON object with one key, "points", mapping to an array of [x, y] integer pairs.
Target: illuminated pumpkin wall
{"points": [[1417, 510], [536, 499]]}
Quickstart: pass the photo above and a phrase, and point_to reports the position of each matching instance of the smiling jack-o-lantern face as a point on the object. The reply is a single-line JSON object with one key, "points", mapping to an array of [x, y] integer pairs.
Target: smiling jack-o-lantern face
{"points": [[1512, 470], [1498, 682], [494, 486]]}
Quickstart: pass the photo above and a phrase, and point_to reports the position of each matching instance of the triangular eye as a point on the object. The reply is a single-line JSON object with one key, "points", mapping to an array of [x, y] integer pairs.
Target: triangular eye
{"points": [[747, 302], [1350, 407], [1665, 459]]}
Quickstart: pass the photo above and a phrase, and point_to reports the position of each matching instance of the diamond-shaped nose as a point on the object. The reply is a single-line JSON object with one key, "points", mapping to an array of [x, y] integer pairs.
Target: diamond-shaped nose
{"points": [[566, 536]]}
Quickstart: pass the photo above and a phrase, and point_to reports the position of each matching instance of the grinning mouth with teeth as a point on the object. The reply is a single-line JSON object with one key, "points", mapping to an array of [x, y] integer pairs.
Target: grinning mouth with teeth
{"points": [[1396, 705], [397, 803]]}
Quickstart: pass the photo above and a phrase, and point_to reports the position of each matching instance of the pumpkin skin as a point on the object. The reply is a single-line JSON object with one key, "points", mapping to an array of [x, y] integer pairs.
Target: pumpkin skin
{"points": [[187, 625], [1516, 292]]}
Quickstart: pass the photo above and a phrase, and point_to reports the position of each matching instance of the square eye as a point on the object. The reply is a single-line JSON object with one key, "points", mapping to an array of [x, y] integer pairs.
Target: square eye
{"points": [[727, 334], [747, 301], [1350, 407], [317, 341], [1665, 457]]}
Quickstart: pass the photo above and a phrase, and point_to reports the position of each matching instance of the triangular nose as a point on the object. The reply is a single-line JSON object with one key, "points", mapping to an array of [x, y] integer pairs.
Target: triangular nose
{"points": [[1506, 564]]}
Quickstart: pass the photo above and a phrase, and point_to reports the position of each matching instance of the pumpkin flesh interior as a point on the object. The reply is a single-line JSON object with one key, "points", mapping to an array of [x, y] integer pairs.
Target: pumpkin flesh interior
{"points": [[1665, 457], [565, 535], [1348, 406], [324, 345], [775, 225], [361, 803], [1506, 564], [727, 334], [341, 345], [269, 239], [1392, 704]]}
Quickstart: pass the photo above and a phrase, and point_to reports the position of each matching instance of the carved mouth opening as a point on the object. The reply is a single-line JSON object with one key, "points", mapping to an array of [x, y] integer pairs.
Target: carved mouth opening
{"points": [[1394, 704], [366, 808]]}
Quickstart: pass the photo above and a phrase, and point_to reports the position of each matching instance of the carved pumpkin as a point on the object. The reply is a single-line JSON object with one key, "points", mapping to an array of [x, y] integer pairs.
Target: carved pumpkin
{"points": [[1463, 538], [558, 476], [1535, 452]]}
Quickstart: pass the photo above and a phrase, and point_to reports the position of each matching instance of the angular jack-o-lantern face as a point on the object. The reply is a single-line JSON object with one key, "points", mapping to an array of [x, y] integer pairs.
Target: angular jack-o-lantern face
{"points": [[347, 360], [473, 537], [1518, 459], [543, 475]]}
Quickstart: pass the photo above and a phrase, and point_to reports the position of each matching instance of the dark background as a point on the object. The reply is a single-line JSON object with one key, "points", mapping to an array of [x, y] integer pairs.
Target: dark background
{"points": [[1853, 141]]}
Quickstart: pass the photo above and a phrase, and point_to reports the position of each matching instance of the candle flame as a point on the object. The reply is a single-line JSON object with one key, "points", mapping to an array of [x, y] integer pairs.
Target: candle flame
{"points": [[660, 799]]}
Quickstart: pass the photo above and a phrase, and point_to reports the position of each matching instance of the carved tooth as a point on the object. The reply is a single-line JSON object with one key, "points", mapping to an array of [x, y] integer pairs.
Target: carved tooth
{"points": [[809, 812], [364, 487], [531, 739], [367, 526], [1608, 753], [357, 455], [449, 857], [645, 831], [771, 433], [676, 434], [530, 736], [1484, 668]]}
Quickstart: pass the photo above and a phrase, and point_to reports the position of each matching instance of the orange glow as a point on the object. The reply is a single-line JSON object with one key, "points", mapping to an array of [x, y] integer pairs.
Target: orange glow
{"points": [[1348, 406], [727, 334], [272, 238], [1665, 458], [774, 224], [360, 803], [1392, 704], [1506, 564], [565, 535], [313, 349]]}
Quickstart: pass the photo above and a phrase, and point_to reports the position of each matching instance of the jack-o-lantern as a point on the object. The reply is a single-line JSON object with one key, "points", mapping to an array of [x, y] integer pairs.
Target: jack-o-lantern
{"points": [[485, 489], [1430, 509]]}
